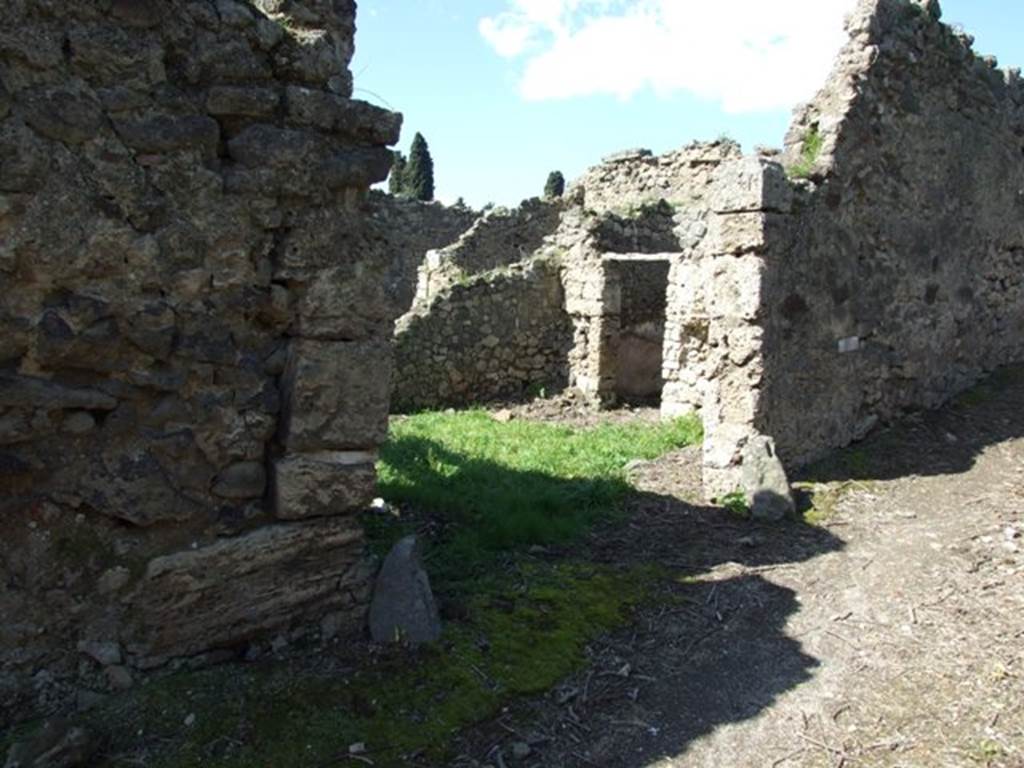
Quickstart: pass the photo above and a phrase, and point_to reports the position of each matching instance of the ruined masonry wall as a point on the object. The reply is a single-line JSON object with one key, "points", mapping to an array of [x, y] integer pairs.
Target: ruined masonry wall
{"points": [[624, 183], [636, 202], [901, 280], [194, 335], [499, 238], [893, 278], [499, 335], [413, 228]]}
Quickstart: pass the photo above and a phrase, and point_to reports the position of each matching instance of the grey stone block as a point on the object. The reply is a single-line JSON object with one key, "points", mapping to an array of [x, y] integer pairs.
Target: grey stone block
{"points": [[403, 607]]}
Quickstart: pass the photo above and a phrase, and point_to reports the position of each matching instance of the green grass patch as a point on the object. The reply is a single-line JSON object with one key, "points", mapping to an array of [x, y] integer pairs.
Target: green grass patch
{"points": [[495, 488], [518, 640], [736, 503], [825, 499], [504, 486], [813, 143]]}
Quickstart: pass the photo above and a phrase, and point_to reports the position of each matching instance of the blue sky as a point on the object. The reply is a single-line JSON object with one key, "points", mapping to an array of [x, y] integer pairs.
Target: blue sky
{"points": [[506, 90]]}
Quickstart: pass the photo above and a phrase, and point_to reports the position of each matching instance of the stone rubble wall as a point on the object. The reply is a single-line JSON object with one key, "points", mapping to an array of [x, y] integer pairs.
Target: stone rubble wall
{"points": [[635, 204], [638, 203], [903, 277], [890, 279], [194, 335], [626, 182], [651, 228], [498, 238], [413, 228], [497, 336]]}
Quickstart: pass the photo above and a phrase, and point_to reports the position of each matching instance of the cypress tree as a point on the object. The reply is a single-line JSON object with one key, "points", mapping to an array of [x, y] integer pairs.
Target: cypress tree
{"points": [[555, 186], [419, 173], [397, 180]]}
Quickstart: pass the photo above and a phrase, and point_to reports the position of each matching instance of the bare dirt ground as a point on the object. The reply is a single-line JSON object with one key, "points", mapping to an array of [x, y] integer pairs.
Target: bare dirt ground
{"points": [[892, 634]]}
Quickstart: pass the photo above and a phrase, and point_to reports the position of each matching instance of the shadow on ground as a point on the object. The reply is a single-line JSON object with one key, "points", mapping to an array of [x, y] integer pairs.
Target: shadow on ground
{"points": [[708, 647], [714, 650], [709, 650], [946, 441], [723, 655]]}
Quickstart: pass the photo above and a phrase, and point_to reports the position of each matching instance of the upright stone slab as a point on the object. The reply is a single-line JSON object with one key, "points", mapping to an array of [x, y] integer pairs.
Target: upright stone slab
{"points": [[403, 608]]}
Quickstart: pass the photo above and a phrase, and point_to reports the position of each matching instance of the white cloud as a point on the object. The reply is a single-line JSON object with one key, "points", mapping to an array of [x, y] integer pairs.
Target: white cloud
{"points": [[747, 54]]}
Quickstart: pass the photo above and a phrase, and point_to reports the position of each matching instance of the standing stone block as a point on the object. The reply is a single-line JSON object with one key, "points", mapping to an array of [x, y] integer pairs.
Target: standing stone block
{"points": [[737, 233], [738, 459], [763, 479], [737, 290], [752, 184], [403, 607], [337, 395], [323, 485]]}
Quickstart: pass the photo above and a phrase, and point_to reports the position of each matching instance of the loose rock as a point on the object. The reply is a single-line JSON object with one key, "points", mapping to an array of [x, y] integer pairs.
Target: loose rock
{"points": [[403, 607]]}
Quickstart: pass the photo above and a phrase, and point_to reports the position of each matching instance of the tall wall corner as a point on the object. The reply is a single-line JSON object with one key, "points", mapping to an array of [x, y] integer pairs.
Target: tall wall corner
{"points": [[751, 203], [194, 341]]}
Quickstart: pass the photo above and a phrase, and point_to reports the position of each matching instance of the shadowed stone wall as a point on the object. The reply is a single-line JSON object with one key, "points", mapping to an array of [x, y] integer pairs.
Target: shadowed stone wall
{"points": [[902, 281], [194, 335]]}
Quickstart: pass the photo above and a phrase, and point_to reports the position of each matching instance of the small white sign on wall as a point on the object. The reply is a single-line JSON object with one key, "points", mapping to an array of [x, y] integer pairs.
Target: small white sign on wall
{"points": [[851, 344]]}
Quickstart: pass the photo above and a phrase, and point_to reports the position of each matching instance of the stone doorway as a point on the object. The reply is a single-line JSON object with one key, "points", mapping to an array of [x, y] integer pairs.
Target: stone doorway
{"points": [[638, 288]]}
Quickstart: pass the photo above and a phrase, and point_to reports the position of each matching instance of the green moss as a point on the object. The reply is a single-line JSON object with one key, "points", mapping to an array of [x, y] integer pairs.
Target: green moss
{"points": [[813, 143], [517, 640], [736, 502], [823, 501]]}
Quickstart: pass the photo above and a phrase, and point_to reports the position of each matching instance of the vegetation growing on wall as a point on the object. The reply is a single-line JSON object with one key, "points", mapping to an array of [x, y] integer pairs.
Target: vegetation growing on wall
{"points": [[813, 143]]}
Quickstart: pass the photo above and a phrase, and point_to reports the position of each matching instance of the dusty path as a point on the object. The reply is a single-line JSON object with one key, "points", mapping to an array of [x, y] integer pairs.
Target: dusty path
{"points": [[893, 635]]}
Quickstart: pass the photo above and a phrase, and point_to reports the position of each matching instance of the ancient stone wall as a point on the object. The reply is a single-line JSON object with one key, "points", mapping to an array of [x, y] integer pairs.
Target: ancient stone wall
{"points": [[641, 204], [890, 278], [627, 182], [500, 335], [902, 279], [194, 335], [413, 228], [500, 237]]}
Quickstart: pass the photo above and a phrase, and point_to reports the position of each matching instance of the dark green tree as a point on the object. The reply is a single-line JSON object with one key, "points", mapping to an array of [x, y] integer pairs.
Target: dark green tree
{"points": [[419, 173], [555, 186], [396, 181]]}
